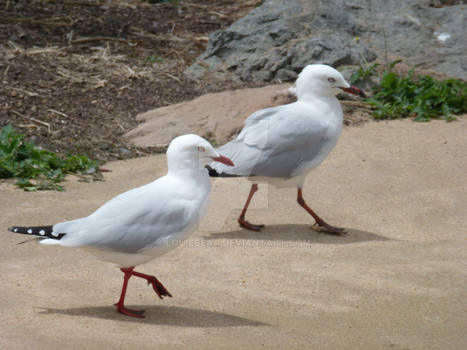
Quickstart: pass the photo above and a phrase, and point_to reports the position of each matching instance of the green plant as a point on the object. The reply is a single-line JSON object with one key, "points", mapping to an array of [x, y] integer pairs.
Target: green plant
{"points": [[422, 98], [37, 168], [363, 73]]}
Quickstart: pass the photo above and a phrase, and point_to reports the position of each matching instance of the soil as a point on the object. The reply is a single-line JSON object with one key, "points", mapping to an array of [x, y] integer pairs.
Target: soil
{"points": [[74, 74]]}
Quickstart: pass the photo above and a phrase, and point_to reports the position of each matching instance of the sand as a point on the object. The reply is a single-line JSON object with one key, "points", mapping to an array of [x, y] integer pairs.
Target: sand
{"points": [[396, 281]]}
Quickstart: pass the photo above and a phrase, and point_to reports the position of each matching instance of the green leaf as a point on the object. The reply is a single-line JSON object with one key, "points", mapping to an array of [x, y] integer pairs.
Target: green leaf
{"points": [[25, 161], [394, 63], [421, 97]]}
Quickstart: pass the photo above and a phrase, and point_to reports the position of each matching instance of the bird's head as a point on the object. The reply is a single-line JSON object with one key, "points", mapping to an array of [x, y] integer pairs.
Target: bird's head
{"points": [[323, 80], [192, 151]]}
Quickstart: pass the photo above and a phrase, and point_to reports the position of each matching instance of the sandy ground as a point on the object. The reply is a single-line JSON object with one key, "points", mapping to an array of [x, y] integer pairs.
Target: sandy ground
{"points": [[397, 281]]}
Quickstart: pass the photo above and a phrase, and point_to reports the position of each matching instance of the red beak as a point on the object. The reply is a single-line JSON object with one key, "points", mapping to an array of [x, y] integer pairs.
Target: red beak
{"points": [[224, 160], [354, 90]]}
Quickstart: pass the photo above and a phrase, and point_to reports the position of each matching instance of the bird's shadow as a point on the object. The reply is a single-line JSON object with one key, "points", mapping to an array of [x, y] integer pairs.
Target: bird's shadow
{"points": [[299, 233], [162, 315]]}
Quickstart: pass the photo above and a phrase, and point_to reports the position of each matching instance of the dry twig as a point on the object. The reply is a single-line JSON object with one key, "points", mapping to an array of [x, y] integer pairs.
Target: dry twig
{"points": [[144, 34], [171, 77], [40, 50], [29, 93], [97, 38], [57, 112], [49, 22], [47, 125]]}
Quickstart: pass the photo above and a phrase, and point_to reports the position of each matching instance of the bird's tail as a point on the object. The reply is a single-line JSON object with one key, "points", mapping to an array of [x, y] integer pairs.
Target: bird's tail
{"points": [[40, 231]]}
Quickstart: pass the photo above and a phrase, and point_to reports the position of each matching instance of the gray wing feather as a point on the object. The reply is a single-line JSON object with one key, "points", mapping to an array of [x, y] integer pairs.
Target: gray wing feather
{"points": [[129, 222], [275, 142]]}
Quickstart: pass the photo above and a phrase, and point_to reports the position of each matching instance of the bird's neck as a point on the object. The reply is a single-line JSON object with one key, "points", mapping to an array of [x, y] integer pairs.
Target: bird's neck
{"points": [[311, 97], [328, 106], [194, 172]]}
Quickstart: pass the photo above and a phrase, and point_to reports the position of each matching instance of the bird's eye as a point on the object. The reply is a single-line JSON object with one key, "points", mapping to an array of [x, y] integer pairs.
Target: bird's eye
{"points": [[201, 149], [331, 80]]}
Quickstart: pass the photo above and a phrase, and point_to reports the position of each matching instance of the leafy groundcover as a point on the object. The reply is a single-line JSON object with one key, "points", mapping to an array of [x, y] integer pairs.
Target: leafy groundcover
{"points": [[37, 168], [420, 97]]}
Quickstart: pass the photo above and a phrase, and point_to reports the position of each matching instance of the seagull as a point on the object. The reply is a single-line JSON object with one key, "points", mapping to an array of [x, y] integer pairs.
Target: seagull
{"points": [[146, 222], [281, 145]]}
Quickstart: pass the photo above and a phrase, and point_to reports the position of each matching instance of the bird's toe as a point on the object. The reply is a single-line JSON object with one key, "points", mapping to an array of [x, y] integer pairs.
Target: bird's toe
{"points": [[328, 229], [252, 227], [131, 312]]}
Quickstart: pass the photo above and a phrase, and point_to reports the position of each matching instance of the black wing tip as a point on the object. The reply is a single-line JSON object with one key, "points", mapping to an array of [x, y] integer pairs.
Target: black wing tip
{"points": [[214, 173], [15, 229], [39, 231]]}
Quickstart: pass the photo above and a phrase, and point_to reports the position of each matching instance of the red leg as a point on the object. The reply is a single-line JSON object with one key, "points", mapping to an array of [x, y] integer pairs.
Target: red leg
{"points": [[120, 304], [241, 220], [158, 287], [321, 223]]}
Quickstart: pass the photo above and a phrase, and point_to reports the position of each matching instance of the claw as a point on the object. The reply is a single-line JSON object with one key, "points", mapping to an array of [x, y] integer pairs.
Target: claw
{"points": [[130, 312], [156, 285], [320, 225], [326, 228], [252, 227], [160, 290]]}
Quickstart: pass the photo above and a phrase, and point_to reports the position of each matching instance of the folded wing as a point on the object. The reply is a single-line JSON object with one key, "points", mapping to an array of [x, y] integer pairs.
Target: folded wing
{"points": [[276, 142], [130, 222]]}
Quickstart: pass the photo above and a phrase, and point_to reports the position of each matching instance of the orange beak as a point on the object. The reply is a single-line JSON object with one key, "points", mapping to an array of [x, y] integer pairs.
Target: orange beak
{"points": [[354, 90]]}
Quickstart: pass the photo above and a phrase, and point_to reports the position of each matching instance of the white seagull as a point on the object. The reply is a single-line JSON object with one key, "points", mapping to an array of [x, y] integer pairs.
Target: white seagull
{"points": [[145, 222], [281, 145]]}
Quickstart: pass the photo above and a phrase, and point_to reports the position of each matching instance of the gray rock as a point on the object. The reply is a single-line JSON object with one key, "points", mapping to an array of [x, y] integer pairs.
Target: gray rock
{"points": [[334, 50], [277, 39], [284, 74]]}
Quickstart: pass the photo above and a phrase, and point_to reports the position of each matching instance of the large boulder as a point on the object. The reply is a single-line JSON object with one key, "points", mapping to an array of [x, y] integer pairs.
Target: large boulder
{"points": [[277, 39], [215, 116]]}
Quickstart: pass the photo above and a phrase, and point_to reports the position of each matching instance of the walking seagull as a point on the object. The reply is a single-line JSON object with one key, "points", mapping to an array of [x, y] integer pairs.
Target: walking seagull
{"points": [[281, 145], [143, 223]]}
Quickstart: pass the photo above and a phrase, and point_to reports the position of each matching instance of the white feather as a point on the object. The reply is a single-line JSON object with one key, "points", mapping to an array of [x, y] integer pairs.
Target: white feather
{"points": [[280, 145], [145, 222]]}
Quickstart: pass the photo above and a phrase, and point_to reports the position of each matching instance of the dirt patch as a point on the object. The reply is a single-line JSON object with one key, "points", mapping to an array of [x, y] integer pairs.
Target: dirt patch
{"points": [[74, 74]]}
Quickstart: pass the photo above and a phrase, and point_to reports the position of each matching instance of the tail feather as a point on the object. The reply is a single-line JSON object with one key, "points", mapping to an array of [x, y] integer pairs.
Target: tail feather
{"points": [[41, 231]]}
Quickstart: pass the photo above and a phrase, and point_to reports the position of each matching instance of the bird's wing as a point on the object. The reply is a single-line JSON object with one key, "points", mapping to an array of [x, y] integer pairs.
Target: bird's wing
{"points": [[256, 127], [131, 221], [275, 142]]}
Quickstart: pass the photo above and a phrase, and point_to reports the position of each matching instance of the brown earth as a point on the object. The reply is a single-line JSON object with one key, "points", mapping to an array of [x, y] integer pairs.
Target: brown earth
{"points": [[396, 281], [215, 116], [74, 74]]}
